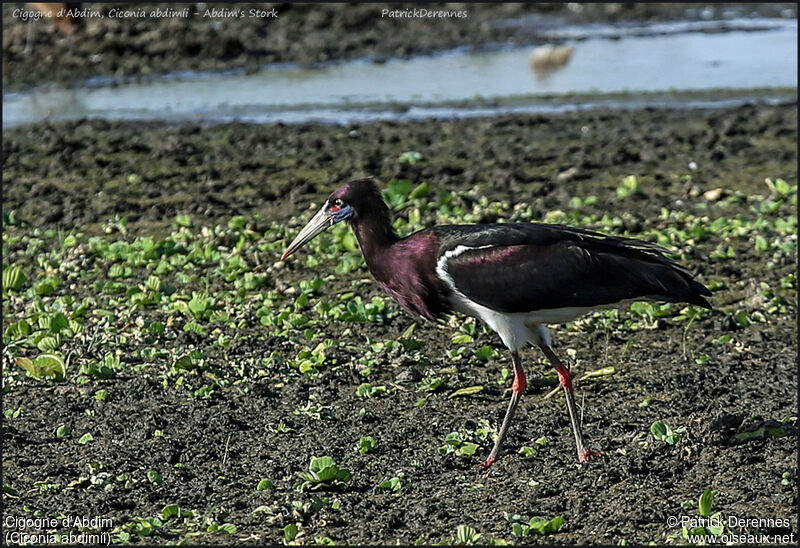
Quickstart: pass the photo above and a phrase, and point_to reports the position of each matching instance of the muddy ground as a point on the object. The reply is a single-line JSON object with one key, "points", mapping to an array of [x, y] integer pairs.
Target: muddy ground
{"points": [[77, 174], [303, 33], [77, 177]]}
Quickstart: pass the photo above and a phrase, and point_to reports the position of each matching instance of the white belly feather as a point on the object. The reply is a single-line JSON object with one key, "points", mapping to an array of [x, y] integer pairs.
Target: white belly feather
{"points": [[516, 329]]}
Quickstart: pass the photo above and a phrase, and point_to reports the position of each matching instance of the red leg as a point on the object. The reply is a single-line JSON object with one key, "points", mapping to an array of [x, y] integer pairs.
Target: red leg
{"points": [[564, 376], [517, 389], [565, 379]]}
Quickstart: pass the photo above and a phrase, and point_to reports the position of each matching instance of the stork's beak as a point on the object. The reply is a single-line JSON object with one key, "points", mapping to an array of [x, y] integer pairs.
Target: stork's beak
{"points": [[318, 223]]}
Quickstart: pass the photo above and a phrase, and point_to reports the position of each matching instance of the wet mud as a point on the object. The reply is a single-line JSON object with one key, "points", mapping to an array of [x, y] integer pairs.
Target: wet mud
{"points": [[77, 176]]}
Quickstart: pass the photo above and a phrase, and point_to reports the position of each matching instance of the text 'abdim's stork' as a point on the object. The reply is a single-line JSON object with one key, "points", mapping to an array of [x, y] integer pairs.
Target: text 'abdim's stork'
{"points": [[515, 277]]}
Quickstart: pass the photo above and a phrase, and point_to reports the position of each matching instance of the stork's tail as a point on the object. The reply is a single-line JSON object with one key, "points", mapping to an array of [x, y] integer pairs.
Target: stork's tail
{"points": [[698, 294]]}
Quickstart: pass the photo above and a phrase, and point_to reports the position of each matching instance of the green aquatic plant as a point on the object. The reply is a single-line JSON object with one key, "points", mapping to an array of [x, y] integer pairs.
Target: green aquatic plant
{"points": [[664, 432], [323, 473]]}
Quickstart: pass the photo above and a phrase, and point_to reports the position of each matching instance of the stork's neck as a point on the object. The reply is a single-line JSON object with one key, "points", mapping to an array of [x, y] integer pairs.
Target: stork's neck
{"points": [[376, 236]]}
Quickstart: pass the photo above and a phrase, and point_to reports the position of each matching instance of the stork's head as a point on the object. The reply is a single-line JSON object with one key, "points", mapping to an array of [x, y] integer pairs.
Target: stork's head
{"points": [[345, 203]]}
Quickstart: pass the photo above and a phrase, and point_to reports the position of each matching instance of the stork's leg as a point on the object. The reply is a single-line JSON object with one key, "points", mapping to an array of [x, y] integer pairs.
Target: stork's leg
{"points": [[516, 393], [565, 378]]}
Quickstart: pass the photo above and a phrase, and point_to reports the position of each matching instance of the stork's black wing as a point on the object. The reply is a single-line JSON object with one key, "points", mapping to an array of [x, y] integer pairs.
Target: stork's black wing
{"points": [[524, 267]]}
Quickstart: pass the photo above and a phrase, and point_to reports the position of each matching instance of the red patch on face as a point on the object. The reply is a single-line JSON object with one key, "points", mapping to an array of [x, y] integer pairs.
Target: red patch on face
{"points": [[334, 209]]}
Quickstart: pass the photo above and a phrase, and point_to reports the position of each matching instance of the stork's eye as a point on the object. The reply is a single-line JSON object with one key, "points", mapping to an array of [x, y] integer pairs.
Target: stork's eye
{"points": [[338, 203]]}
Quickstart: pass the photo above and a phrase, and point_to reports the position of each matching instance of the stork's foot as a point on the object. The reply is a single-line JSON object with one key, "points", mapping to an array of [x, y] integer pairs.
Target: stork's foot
{"points": [[485, 465], [584, 454]]}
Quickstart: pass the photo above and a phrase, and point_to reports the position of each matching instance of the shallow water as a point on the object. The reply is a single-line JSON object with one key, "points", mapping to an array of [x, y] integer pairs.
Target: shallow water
{"points": [[759, 53]]}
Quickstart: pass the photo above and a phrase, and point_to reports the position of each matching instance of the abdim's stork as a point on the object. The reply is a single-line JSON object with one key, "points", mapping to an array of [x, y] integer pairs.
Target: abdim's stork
{"points": [[516, 277]]}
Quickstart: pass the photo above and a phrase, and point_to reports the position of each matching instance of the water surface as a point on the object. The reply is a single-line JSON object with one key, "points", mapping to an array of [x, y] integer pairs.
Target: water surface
{"points": [[759, 53]]}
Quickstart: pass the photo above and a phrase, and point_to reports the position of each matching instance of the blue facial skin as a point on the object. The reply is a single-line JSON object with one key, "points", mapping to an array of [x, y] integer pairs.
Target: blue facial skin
{"points": [[344, 213]]}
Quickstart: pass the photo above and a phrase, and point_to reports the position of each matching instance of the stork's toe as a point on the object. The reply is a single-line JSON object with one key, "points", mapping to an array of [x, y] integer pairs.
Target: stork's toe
{"points": [[585, 453]]}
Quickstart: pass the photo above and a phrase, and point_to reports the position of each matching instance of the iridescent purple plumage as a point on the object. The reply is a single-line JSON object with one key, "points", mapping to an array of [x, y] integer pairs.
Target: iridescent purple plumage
{"points": [[515, 277]]}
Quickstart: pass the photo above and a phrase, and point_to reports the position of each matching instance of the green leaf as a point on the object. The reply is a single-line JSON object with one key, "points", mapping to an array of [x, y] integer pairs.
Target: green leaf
{"points": [[398, 190], [12, 413], [468, 391], [328, 473], [58, 323], [468, 448], [197, 306], [410, 157], [393, 484], [184, 363], [422, 190], [51, 366], [628, 187], [663, 432], [45, 365], [153, 283], [659, 430], [309, 477], [86, 438], [409, 330], [760, 433], [343, 475], [716, 530], [265, 484], [169, 511], [237, 222], [777, 431], [28, 366], [13, 278], [45, 287], [320, 463], [431, 384], [18, 330], [48, 344], [365, 444], [554, 525], [642, 308], [743, 318], [183, 220], [544, 527], [706, 502], [290, 532], [466, 535], [600, 372], [154, 477], [117, 270], [485, 353], [366, 390]]}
